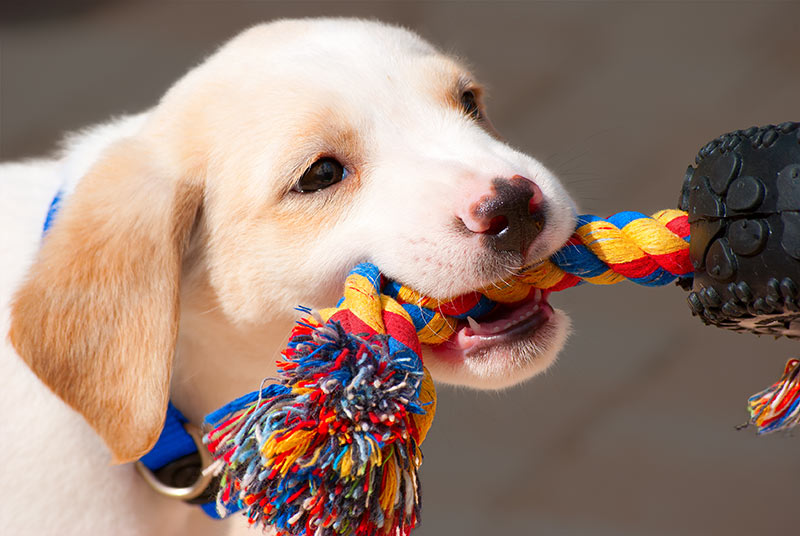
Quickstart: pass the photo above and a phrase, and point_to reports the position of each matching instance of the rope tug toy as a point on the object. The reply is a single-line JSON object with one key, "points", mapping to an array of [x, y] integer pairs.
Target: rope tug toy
{"points": [[333, 448]]}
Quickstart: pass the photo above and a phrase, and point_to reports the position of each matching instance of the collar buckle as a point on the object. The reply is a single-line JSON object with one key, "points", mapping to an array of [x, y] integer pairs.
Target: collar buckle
{"points": [[183, 492]]}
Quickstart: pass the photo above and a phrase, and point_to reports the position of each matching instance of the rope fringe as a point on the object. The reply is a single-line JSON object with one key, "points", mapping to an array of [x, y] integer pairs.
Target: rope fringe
{"points": [[778, 406]]}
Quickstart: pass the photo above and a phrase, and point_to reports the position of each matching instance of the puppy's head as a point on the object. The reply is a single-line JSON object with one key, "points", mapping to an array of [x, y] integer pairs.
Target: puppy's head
{"points": [[296, 151], [355, 141]]}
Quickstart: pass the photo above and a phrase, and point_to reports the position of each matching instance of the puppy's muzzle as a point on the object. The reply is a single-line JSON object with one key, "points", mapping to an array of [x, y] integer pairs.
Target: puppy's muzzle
{"points": [[510, 217]]}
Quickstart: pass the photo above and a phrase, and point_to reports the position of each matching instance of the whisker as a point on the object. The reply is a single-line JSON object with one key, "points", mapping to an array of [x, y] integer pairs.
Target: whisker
{"points": [[209, 310]]}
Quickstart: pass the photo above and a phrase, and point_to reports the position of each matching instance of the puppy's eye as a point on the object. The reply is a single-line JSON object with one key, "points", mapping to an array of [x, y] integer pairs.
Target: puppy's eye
{"points": [[322, 173], [469, 104]]}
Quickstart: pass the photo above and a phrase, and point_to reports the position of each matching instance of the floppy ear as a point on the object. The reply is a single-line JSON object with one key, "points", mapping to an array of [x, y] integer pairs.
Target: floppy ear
{"points": [[97, 317]]}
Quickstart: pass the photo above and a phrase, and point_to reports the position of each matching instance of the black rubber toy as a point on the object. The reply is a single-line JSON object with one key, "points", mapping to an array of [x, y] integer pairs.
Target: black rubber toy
{"points": [[743, 200]]}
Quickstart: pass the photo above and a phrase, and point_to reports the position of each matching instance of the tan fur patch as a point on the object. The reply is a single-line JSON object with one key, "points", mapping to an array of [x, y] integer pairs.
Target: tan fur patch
{"points": [[97, 318]]}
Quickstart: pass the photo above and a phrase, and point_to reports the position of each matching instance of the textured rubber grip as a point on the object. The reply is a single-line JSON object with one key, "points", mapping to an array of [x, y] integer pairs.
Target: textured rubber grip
{"points": [[743, 200]]}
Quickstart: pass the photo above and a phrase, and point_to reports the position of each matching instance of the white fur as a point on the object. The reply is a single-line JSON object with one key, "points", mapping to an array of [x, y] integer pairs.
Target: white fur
{"points": [[258, 111]]}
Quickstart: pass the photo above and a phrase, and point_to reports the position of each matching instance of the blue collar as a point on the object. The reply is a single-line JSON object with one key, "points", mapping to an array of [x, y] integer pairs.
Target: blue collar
{"points": [[176, 454]]}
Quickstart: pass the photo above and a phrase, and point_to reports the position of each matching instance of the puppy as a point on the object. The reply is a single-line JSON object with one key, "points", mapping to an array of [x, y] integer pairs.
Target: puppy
{"points": [[185, 236]]}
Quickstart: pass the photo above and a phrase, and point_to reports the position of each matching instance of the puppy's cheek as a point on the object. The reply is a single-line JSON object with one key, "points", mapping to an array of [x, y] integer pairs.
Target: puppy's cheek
{"points": [[501, 367]]}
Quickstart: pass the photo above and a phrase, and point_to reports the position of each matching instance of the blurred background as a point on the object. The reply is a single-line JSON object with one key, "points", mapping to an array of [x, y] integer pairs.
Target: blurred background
{"points": [[632, 432]]}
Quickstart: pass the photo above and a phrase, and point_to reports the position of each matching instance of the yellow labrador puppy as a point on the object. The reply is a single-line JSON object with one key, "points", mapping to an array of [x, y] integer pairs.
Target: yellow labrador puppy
{"points": [[186, 235]]}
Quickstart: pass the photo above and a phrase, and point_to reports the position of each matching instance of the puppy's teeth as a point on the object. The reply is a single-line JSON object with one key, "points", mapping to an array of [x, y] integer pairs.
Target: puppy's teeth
{"points": [[537, 295], [474, 326]]}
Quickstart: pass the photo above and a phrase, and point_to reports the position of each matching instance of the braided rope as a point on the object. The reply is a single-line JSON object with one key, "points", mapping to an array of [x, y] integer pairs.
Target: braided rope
{"points": [[648, 250], [365, 308]]}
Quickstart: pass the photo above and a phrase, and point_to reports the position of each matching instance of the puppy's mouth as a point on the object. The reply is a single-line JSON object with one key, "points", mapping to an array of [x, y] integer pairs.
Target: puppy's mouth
{"points": [[505, 326]]}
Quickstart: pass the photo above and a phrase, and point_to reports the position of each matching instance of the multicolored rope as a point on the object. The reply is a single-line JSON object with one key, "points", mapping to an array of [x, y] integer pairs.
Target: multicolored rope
{"points": [[332, 449]]}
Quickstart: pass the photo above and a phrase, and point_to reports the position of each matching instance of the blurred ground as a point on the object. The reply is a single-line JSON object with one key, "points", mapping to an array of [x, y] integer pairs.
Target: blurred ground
{"points": [[632, 433]]}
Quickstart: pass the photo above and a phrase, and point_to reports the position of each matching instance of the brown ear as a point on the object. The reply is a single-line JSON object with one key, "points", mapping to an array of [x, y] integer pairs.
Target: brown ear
{"points": [[97, 318]]}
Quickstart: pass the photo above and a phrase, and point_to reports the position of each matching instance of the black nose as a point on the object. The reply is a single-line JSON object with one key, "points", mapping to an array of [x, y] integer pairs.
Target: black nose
{"points": [[514, 214]]}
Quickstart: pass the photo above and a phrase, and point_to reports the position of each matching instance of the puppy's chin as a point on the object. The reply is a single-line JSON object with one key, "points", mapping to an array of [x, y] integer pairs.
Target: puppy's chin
{"points": [[499, 361]]}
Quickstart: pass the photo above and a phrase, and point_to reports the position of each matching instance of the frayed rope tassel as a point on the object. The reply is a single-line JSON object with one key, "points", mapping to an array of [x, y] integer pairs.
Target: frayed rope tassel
{"points": [[778, 407], [333, 449]]}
